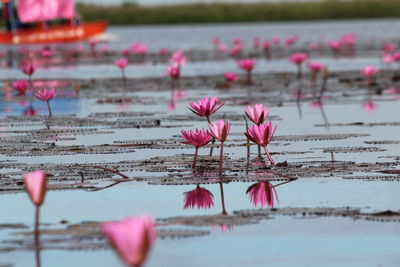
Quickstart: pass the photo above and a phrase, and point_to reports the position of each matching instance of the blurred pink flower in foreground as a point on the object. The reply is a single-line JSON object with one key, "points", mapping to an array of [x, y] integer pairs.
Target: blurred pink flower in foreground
{"points": [[196, 138], [262, 136], [21, 86], [206, 107], [257, 114], [298, 58], [262, 193], [230, 76], [132, 238], [36, 186], [173, 72], [199, 197], [369, 71], [121, 63], [28, 68]]}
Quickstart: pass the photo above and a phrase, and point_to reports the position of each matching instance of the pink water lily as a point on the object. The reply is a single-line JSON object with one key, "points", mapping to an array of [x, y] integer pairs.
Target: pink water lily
{"points": [[247, 65], [369, 71], [206, 107], [36, 185], [262, 193], [262, 136], [46, 95], [388, 47], [230, 76], [315, 67], [197, 138], [28, 68], [336, 46], [132, 238], [178, 58], [173, 72], [199, 197], [121, 63], [220, 131], [21, 86], [298, 58], [291, 40], [257, 114]]}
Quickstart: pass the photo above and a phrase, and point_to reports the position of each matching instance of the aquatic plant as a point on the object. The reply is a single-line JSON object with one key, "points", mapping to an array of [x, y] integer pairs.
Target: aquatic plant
{"points": [[46, 95], [21, 86], [199, 197], [247, 65], [197, 138], [132, 238], [315, 68], [121, 63], [262, 135], [262, 193], [173, 72], [230, 77], [178, 58], [257, 114], [220, 131], [298, 59], [205, 107]]}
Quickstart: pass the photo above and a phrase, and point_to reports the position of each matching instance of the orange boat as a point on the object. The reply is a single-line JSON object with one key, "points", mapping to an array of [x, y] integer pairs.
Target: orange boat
{"points": [[38, 13]]}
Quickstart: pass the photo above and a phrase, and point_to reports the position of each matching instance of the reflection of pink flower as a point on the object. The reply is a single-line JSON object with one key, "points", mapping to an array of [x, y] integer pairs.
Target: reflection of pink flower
{"points": [[219, 130], [369, 71], [36, 186], [30, 112], [230, 76], [369, 106], [298, 58], [173, 72], [20, 86], [262, 193], [197, 138], [121, 63], [224, 228], [315, 67], [316, 104], [206, 107], [257, 114], [179, 95], [199, 197], [132, 238]]}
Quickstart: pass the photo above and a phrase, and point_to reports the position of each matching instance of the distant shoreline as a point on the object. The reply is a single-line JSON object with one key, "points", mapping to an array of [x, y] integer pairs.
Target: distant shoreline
{"points": [[131, 14]]}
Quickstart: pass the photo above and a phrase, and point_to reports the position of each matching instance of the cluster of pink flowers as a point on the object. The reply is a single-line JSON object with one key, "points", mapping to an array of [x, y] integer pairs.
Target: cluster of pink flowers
{"points": [[346, 41], [139, 49]]}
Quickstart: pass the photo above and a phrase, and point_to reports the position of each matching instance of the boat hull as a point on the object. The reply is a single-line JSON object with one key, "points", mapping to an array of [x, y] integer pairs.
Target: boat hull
{"points": [[54, 34]]}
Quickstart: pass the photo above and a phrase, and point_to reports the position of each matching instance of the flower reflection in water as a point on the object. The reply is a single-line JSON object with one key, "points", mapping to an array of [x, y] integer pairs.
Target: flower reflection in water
{"points": [[199, 197], [262, 193]]}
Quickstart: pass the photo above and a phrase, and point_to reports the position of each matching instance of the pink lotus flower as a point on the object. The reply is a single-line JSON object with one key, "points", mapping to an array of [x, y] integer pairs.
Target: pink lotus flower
{"points": [[257, 114], [206, 107], [125, 52], [235, 50], [46, 95], [104, 48], [230, 76], [46, 52], [178, 58], [396, 56], [198, 139], [199, 197], [336, 46], [291, 40], [388, 59], [369, 71], [349, 39], [298, 58], [315, 67], [36, 185], [173, 72], [21, 86], [262, 193], [221, 48], [262, 135], [28, 68], [132, 238], [121, 63], [139, 49], [237, 41], [247, 65], [220, 131]]}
